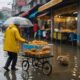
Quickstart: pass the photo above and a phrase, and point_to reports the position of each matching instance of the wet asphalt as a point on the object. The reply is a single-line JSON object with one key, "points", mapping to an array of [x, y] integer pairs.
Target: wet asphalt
{"points": [[59, 72]]}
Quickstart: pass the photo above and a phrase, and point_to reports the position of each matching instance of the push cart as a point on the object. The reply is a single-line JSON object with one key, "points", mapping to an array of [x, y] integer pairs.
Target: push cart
{"points": [[38, 61]]}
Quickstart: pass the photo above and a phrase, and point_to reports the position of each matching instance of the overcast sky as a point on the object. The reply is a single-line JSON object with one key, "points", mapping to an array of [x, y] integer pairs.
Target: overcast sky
{"points": [[5, 3]]}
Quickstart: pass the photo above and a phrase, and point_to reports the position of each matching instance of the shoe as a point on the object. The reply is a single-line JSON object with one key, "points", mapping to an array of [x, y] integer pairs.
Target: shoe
{"points": [[14, 69], [6, 68]]}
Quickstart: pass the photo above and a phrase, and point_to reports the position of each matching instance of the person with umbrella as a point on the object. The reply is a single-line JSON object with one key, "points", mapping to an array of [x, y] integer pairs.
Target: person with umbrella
{"points": [[11, 44]]}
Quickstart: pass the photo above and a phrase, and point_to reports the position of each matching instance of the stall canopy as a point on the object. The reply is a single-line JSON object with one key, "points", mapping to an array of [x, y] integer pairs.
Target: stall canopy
{"points": [[49, 5]]}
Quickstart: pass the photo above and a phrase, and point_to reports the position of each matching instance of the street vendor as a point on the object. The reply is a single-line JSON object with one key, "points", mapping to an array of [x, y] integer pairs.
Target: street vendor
{"points": [[12, 38]]}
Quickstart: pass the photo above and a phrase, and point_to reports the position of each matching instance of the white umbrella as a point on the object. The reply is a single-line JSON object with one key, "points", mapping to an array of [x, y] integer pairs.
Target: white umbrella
{"points": [[23, 21]]}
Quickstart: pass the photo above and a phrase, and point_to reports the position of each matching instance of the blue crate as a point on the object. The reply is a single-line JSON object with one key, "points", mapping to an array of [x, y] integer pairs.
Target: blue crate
{"points": [[29, 46]]}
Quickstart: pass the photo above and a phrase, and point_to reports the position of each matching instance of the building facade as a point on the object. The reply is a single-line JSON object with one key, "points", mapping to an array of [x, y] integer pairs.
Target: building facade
{"points": [[7, 12], [64, 19], [25, 5]]}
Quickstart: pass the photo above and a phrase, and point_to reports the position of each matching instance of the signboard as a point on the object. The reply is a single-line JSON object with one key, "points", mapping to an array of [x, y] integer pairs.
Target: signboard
{"points": [[21, 2], [49, 4]]}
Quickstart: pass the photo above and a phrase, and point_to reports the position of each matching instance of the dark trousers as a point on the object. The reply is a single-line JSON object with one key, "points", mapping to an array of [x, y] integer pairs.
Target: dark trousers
{"points": [[12, 58]]}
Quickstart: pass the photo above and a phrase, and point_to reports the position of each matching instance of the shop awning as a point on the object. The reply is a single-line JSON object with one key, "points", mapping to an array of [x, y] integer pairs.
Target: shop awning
{"points": [[32, 10], [42, 14], [49, 5], [24, 14], [33, 14]]}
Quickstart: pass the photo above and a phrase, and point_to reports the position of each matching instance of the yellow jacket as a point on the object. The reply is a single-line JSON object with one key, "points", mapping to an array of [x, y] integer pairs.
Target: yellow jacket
{"points": [[12, 38]]}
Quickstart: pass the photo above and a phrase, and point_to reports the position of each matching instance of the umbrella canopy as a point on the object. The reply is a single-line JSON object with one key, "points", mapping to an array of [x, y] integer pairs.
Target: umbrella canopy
{"points": [[22, 21]]}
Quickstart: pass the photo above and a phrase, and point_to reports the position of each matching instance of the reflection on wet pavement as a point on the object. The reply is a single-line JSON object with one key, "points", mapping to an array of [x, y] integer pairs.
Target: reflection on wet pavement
{"points": [[70, 72]]}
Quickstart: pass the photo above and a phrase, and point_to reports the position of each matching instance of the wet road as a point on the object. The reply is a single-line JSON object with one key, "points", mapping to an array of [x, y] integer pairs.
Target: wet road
{"points": [[71, 72]]}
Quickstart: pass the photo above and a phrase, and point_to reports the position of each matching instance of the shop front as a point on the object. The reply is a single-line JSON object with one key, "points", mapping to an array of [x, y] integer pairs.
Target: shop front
{"points": [[65, 23], [45, 19], [63, 18]]}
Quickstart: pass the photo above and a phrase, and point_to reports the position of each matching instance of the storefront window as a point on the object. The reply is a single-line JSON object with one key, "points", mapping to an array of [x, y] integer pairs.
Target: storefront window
{"points": [[66, 21]]}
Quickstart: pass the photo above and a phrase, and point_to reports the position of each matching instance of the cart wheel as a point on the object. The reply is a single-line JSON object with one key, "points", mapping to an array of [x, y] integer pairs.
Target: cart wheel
{"points": [[35, 63], [25, 65], [47, 68]]}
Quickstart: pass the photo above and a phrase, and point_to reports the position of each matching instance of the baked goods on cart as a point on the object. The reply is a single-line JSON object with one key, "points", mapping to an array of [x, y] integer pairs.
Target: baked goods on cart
{"points": [[39, 52]]}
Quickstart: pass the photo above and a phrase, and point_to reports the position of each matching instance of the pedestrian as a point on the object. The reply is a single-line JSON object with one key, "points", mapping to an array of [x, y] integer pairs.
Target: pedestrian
{"points": [[39, 33], [12, 38], [44, 34], [35, 29], [28, 33]]}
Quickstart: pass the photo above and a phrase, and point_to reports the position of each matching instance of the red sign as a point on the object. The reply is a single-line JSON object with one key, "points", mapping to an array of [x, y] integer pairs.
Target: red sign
{"points": [[21, 2]]}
